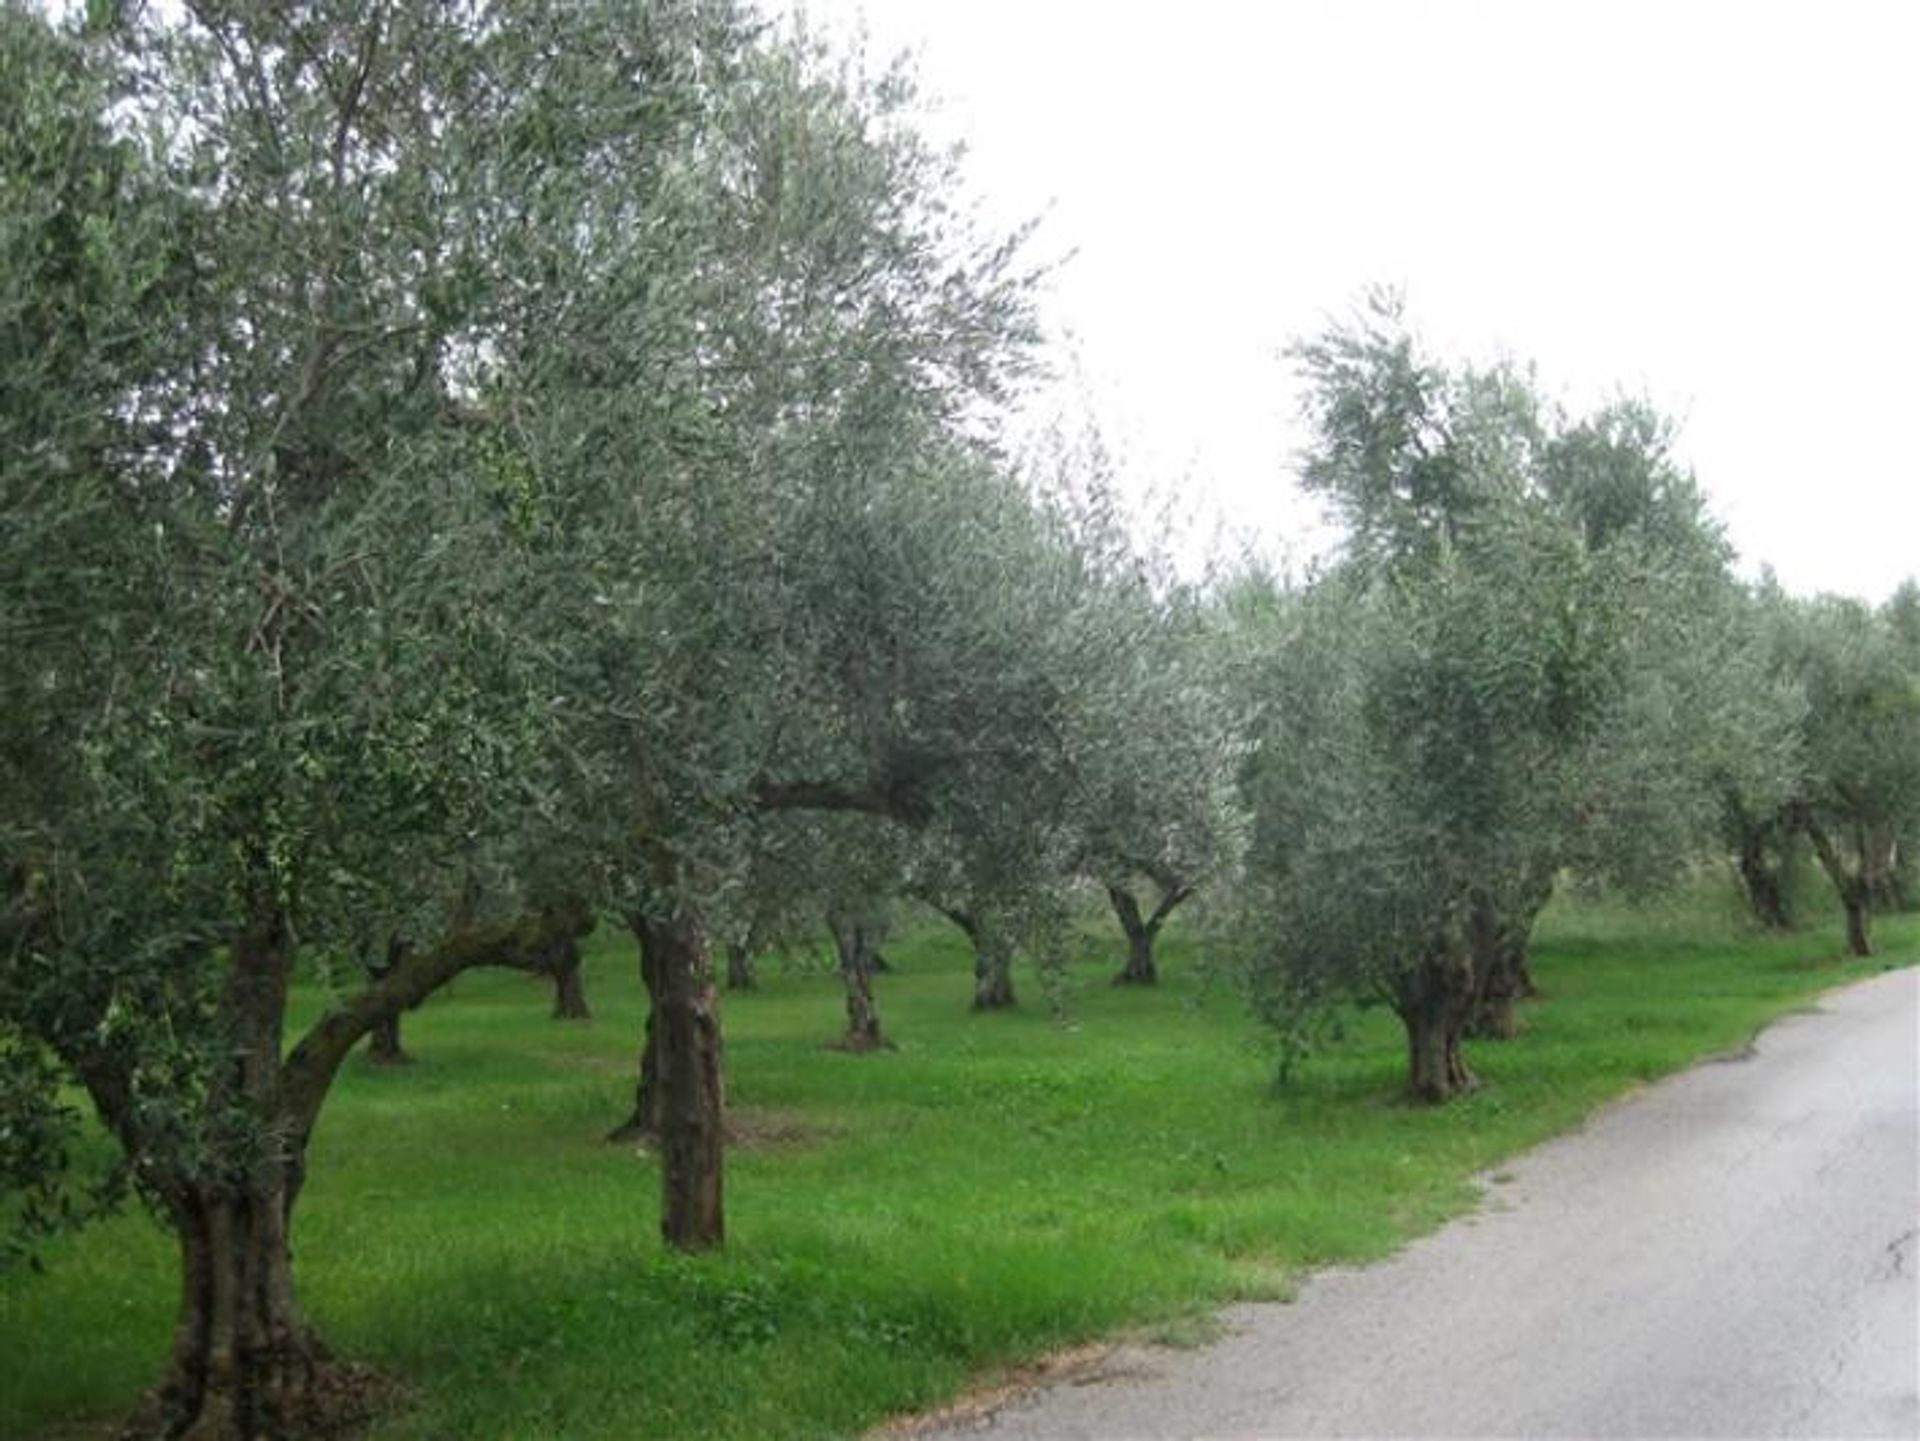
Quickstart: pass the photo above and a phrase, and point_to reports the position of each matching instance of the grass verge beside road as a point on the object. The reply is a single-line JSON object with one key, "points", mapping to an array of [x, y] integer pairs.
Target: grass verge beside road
{"points": [[998, 1186]]}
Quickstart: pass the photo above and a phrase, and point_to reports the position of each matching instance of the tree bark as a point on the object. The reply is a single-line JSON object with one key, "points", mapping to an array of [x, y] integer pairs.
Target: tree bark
{"points": [[855, 944], [992, 972], [569, 992], [245, 1364], [1143, 932], [686, 1036], [383, 1045], [1140, 969], [740, 976], [1434, 1002], [1851, 886], [644, 1122], [1502, 966], [1764, 883]]}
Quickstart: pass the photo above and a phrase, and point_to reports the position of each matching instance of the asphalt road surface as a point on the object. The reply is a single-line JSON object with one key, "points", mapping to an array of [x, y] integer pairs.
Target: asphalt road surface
{"points": [[1731, 1253]]}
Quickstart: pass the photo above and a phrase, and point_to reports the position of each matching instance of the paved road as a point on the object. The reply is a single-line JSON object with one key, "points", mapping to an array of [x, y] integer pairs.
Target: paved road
{"points": [[1730, 1254]]}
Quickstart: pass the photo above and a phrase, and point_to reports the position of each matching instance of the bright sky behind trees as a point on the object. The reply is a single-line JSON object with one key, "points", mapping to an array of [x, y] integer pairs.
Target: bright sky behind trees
{"points": [[1710, 204]]}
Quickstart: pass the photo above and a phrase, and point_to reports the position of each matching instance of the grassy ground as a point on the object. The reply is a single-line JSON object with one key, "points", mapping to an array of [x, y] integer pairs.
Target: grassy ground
{"points": [[998, 1186]]}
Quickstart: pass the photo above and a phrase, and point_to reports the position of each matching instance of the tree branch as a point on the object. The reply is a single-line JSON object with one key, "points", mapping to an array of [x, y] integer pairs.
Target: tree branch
{"points": [[310, 1067]]}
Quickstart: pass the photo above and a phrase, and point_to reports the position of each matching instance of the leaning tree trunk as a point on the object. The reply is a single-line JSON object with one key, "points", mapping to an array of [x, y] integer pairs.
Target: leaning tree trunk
{"points": [[856, 949], [1140, 969], [1852, 887], [569, 992], [1435, 1002]]}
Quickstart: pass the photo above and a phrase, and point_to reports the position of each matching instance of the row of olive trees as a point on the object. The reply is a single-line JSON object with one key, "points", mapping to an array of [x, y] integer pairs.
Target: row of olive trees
{"points": [[473, 469], [1529, 660], [469, 469]]}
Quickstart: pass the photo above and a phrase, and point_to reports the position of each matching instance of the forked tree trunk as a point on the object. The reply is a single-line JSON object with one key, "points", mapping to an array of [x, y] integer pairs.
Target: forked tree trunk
{"points": [[245, 1364], [686, 1041], [855, 944], [740, 976], [569, 992], [1143, 932], [1434, 1003]]}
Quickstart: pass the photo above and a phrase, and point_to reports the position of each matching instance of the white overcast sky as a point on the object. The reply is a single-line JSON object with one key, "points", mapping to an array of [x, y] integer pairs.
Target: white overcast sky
{"points": [[1713, 205]]}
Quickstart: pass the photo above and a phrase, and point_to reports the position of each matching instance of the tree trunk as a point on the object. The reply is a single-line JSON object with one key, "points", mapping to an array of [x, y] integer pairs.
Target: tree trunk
{"points": [[1851, 887], [740, 975], [1502, 966], [855, 945], [569, 993], [685, 1039], [383, 1044], [992, 972], [1859, 941], [1766, 894], [1139, 969], [245, 1364], [1434, 1003], [644, 1122]]}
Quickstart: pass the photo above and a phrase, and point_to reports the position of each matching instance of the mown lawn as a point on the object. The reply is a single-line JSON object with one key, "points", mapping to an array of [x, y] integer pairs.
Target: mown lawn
{"points": [[998, 1186]]}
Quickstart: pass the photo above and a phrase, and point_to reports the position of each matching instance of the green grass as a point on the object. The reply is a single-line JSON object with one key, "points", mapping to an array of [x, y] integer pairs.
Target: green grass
{"points": [[998, 1186]]}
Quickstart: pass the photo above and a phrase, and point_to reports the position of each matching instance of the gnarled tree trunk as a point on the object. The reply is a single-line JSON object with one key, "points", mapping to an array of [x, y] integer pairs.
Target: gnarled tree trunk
{"points": [[1434, 1002], [245, 1364], [740, 976]]}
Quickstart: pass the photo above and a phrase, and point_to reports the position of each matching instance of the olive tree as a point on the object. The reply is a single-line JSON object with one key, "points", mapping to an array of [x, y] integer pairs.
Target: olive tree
{"points": [[1483, 692], [1861, 788], [279, 701]]}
